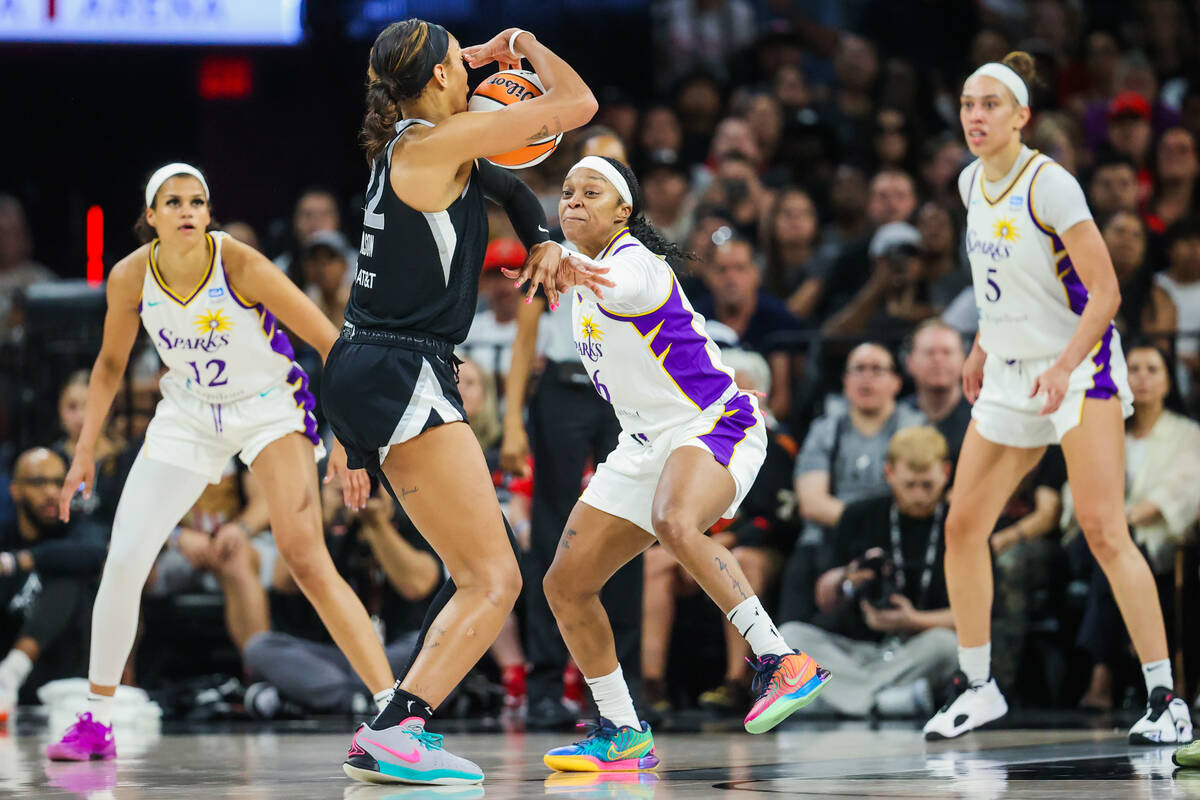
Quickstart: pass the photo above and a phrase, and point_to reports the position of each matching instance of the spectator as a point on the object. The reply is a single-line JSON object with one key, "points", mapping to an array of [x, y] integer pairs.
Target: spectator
{"points": [[795, 273], [660, 136], [494, 329], [889, 585], [702, 34], [943, 159], [244, 233], [935, 363], [848, 194], [212, 550], [1129, 135], [895, 297], [1174, 196], [849, 112], [893, 139], [1146, 308], [1181, 281], [299, 669], [698, 106], [1162, 452], [842, 461], [737, 189], [114, 457], [18, 270], [738, 301], [48, 577], [942, 266], [1113, 186], [667, 202], [316, 210], [325, 262], [765, 116]]}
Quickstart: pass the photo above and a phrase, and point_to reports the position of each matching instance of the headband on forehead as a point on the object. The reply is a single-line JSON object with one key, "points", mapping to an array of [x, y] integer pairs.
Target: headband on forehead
{"points": [[609, 172], [434, 52], [1009, 77], [169, 171]]}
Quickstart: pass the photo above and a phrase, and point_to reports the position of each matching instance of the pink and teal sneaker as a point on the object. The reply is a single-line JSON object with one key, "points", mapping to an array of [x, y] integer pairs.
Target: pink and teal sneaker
{"points": [[86, 740], [606, 748], [785, 684]]}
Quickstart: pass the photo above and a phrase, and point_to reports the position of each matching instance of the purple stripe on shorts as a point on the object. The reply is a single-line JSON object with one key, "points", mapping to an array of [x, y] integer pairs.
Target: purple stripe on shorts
{"points": [[730, 429], [680, 348], [305, 400], [1103, 385]]}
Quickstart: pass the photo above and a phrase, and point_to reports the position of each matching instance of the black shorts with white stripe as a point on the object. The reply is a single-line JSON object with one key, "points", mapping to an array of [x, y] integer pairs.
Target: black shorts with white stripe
{"points": [[379, 394]]}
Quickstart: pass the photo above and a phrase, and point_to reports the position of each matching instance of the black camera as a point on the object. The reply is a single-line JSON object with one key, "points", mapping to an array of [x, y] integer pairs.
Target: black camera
{"points": [[879, 590]]}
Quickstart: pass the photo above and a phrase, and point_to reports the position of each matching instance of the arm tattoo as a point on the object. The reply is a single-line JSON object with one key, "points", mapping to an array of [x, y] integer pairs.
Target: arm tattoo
{"points": [[406, 492], [567, 536], [543, 133]]}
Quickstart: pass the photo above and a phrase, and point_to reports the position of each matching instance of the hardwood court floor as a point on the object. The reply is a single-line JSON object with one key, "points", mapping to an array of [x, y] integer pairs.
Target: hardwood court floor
{"points": [[806, 760]]}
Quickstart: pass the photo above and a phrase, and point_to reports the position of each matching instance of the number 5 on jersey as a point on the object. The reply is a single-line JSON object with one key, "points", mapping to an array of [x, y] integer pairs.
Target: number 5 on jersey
{"points": [[993, 289]]}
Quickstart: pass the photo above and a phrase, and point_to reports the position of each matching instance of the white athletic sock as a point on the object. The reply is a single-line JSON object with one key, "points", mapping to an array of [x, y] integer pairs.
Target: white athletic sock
{"points": [[14, 669], [976, 663], [755, 625], [1158, 673], [382, 697], [101, 707], [612, 699]]}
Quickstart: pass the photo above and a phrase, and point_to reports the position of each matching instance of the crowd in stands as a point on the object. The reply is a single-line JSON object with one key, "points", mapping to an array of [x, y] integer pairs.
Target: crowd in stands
{"points": [[809, 160]]}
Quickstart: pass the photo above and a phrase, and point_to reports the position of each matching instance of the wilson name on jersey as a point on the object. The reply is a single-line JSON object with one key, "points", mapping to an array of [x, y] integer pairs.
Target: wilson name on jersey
{"points": [[214, 343], [658, 368], [1027, 291], [418, 271]]}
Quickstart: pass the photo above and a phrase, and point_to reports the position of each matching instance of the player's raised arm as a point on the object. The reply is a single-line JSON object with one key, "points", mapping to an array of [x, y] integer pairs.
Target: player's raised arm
{"points": [[567, 104]]}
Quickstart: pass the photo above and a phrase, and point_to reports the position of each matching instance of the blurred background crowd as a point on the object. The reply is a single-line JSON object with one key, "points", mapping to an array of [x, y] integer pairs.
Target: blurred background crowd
{"points": [[807, 153]]}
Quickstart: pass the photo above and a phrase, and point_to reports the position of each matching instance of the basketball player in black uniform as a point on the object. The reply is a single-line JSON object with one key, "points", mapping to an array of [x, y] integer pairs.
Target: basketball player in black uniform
{"points": [[389, 386]]}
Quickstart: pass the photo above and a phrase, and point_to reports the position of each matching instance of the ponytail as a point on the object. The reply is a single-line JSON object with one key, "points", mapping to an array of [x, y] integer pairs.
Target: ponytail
{"points": [[640, 227]]}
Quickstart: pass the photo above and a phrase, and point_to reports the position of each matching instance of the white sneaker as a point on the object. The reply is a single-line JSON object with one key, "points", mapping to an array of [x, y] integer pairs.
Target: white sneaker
{"points": [[1167, 720], [971, 707]]}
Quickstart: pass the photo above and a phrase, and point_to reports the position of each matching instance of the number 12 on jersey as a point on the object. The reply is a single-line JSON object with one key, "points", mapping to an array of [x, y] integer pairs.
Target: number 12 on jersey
{"points": [[214, 368]]}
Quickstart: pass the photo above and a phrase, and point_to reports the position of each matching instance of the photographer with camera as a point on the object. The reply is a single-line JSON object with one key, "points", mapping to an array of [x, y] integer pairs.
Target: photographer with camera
{"points": [[885, 623], [895, 296]]}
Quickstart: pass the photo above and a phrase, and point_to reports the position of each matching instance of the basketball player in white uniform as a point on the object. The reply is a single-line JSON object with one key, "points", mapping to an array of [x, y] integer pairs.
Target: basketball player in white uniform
{"points": [[209, 304], [1046, 368], [690, 446]]}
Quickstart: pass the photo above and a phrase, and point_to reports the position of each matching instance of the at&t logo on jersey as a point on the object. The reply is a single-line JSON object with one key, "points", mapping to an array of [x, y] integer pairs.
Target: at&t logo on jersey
{"points": [[591, 347]]}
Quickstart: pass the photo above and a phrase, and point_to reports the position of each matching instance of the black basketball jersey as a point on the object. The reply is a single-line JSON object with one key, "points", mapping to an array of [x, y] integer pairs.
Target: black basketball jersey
{"points": [[418, 271]]}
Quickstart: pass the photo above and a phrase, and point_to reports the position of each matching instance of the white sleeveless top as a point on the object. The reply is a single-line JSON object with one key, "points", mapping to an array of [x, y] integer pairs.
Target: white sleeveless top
{"points": [[1027, 292], [644, 347], [216, 345]]}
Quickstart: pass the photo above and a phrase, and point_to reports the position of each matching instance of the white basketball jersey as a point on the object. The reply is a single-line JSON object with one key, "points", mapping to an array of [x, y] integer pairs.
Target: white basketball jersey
{"points": [[216, 345], [657, 367], [1027, 292]]}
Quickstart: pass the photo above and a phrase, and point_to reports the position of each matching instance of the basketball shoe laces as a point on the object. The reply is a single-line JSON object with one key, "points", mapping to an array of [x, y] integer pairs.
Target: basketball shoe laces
{"points": [[430, 741], [85, 731], [765, 668], [600, 729]]}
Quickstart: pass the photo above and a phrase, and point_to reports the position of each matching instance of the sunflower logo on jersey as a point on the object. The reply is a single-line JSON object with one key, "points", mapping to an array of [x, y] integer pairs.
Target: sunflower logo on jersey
{"points": [[212, 321], [592, 347], [1005, 230]]}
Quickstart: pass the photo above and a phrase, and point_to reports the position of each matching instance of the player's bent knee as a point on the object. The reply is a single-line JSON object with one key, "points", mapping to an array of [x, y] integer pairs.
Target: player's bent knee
{"points": [[1106, 539], [672, 528]]}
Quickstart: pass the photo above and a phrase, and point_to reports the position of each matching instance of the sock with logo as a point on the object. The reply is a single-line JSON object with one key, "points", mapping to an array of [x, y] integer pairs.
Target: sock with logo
{"points": [[612, 699], [402, 706], [976, 663], [754, 624], [381, 698], [1158, 673], [100, 706]]}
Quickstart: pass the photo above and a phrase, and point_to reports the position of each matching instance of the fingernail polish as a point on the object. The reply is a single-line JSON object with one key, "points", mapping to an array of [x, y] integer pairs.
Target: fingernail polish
{"points": [[554, 306], [528, 300]]}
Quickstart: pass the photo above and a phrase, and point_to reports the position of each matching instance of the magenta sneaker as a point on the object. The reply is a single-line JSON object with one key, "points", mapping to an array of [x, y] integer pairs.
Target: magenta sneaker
{"points": [[86, 740]]}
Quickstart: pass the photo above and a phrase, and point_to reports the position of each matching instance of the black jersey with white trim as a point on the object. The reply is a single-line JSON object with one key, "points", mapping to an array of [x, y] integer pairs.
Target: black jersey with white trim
{"points": [[418, 271]]}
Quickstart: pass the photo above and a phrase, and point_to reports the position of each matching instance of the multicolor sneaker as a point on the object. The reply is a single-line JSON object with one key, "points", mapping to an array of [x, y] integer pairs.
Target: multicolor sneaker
{"points": [[606, 748], [1167, 720], [406, 753], [784, 684], [86, 740], [1188, 756]]}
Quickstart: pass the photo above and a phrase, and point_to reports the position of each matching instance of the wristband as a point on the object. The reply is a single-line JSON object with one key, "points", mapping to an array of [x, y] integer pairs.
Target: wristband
{"points": [[512, 40]]}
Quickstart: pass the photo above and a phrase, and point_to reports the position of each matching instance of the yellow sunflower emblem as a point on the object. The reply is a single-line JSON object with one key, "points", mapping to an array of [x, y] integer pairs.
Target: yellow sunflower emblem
{"points": [[590, 331], [1005, 230], [212, 321]]}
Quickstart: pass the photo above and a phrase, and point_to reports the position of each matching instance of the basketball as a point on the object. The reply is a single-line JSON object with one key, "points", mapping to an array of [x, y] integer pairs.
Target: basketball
{"points": [[502, 89]]}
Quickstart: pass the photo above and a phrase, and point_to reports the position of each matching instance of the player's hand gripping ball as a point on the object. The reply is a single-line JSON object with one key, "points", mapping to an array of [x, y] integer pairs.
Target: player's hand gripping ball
{"points": [[505, 88]]}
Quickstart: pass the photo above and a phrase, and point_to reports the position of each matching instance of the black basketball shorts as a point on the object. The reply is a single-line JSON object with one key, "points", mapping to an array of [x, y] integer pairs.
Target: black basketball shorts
{"points": [[377, 395]]}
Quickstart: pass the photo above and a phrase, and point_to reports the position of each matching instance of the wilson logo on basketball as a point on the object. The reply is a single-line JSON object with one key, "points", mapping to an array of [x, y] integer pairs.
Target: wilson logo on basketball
{"points": [[503, 89], [512, 88]]}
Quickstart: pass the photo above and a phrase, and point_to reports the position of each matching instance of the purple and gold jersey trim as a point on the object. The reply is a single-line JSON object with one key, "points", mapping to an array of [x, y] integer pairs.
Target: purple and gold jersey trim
{"points": [[1073, 289], [679, 348], [162, 284], [1009, 188], [730, 428], [269, 326], [608, 248]]}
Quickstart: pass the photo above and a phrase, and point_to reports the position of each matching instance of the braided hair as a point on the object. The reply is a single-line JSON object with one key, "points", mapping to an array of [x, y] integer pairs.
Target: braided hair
{"points": [[403, 58], [641, 229]]}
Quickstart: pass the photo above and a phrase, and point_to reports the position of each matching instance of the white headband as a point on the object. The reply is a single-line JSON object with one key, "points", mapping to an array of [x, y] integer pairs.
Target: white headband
{"points": [[1009, 77], [609, 172], [170, 170]]}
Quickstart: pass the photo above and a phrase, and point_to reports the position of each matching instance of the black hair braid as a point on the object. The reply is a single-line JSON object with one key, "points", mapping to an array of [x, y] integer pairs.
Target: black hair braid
{"points": [[379, 124], [640, 227]]}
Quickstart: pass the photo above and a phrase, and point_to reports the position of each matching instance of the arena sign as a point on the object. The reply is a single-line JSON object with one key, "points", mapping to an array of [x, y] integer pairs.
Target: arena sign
{"points": [[272, 22]]}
